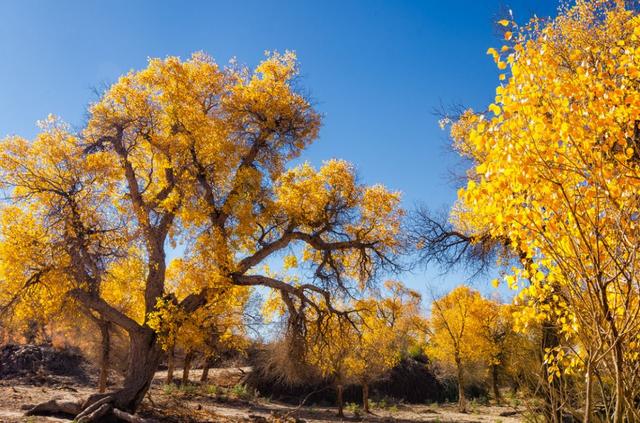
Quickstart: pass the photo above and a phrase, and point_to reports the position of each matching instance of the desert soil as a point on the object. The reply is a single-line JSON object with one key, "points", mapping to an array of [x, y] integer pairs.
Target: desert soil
{"points": [[210, 404]]}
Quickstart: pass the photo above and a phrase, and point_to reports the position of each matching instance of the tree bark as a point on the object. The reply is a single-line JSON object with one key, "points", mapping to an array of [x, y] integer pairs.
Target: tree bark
{"points": [[340, 401], [205, 370], [494, 383], [187, 368], [618, 411], [588, 387], [462, 403], [171, 353], [105, 352], [144, 358], [550, 340], [365, 397]]}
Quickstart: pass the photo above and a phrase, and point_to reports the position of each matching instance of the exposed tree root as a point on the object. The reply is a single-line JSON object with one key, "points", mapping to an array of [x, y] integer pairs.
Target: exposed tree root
{"points": [[130, 418], [96, 409], [97, 414], [70, 408]]}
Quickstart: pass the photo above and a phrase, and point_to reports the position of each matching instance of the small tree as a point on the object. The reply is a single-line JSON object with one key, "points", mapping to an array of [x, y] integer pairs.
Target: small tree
{"points": [[210, 329], [386, 327], [496, 324], [330, 342], [455, 335]]}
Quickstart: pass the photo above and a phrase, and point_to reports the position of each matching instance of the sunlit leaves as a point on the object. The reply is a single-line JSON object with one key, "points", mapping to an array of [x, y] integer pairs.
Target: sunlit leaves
{"points": [[555, 174]]}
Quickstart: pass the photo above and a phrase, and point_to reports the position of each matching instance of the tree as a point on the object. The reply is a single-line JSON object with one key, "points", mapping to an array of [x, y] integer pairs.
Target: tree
{"points": [[211, 329], [496, 324], [38, 312], [386, 328], [363, 338], [56, 241], [554, 175], [189, 150], [455, 334], [329, 345]]}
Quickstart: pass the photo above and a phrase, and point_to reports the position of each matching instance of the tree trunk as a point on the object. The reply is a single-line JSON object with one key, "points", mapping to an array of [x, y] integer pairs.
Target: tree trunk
{"points": [[205, 370], [105, 352], [494, 383], [144, 358], [365, 397], [187, 368], [588, 387], [553, 411], [618, 411], [462, 404], [339, 399], [618, 358], [171, 353]]}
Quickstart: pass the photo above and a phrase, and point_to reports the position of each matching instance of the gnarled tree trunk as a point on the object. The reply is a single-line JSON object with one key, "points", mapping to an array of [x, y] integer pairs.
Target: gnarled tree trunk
{"points": [[205, 370], [144, 357]]}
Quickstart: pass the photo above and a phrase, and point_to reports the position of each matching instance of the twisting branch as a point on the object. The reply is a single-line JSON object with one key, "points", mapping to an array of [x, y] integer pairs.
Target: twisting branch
{"points": [[437, 242]]}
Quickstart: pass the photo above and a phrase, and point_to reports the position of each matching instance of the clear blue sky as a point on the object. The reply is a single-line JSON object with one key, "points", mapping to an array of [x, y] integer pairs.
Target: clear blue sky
{"points": [[376, 70]]}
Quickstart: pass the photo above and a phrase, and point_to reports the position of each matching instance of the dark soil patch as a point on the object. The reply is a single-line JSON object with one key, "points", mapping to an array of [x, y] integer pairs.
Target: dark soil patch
{"points": [[43, 364]]}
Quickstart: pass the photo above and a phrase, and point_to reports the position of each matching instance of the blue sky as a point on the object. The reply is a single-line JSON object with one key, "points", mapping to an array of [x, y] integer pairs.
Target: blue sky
{"points": [[375, 69]]}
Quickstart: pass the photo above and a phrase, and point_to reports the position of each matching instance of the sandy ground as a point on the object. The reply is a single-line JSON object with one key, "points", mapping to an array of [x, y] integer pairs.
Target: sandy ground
{"points": [[210, 404]]}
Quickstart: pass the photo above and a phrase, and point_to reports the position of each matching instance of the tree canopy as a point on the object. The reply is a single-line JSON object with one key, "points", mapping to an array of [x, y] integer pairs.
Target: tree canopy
{"points": [[191, 153]]}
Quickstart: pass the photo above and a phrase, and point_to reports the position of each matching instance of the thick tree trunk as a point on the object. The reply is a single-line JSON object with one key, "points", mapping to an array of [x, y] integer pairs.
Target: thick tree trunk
{"points": [[144, 358], [462, 403], [339, 390], [365, 397], [188, 358], [105, 352], [171, 363], [494, 383]]}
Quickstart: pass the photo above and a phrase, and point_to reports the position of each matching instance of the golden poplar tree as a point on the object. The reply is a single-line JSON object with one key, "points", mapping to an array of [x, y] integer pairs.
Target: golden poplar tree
{"points": [[554, 175], [188, 150], [455, 336]]}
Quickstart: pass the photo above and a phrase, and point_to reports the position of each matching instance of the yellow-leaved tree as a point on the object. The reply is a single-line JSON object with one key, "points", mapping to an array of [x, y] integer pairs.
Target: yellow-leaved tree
{"points": [[555, 178], [455, 334], [496, 325], [188, 150], [364, 338], [55, 243], [387, 327], [210, 330]]}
